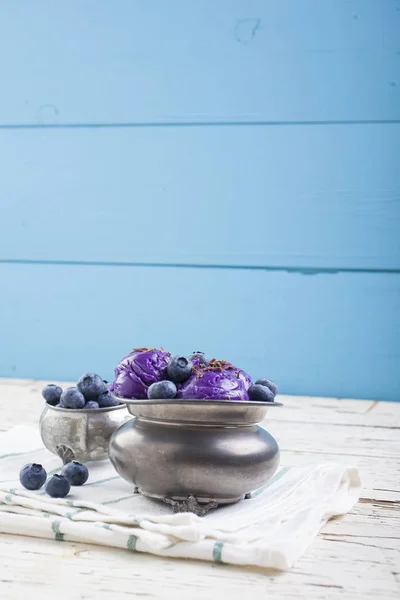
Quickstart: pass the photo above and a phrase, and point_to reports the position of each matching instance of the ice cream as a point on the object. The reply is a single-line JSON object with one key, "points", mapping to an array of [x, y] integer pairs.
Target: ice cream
{"points": [[220, 380], [138, 370], [152, 374]]}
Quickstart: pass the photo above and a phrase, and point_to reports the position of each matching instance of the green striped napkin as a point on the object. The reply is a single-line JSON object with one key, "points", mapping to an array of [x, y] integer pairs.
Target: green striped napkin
{"points": [[271, 529]]}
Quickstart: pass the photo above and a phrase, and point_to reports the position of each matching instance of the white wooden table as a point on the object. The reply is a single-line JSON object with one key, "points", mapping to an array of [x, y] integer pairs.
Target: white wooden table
{"points": [[357, 556]]}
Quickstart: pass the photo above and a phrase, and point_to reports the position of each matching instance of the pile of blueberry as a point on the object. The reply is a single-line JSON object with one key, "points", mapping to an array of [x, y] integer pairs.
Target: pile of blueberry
{"points": [[34, 476], [90, 392], [263, 390]]}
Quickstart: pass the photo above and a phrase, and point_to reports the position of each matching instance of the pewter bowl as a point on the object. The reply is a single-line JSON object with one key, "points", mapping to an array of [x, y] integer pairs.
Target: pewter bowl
{"points": [[211, 450], [83, 434]]}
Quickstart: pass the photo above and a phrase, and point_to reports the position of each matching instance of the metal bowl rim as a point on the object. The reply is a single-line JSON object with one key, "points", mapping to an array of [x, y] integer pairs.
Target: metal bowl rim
{"points": [[191, 402], [86, 411]]}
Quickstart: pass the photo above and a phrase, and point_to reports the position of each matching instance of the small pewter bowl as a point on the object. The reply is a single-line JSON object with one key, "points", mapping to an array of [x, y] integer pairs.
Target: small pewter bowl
{"points": [[81, 435], [209, 451]]}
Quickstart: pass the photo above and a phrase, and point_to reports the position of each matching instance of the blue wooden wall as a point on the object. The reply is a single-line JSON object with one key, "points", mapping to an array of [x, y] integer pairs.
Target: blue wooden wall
{"points": [[216, 175]]}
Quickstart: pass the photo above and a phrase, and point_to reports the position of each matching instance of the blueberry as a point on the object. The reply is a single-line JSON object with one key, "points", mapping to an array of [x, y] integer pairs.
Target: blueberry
{"points": [[260, 393], [179, 369], [52, 394], [91, 386], [32, 476], [58, 486], [201, 357], [105, 400], [76, 473], [72, 398], [269, 384], [162, 389], [91, 404]]}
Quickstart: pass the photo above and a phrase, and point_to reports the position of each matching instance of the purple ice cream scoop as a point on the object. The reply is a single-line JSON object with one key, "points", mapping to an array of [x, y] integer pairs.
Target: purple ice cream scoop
{"points": [[218, 381], [138, 370]]}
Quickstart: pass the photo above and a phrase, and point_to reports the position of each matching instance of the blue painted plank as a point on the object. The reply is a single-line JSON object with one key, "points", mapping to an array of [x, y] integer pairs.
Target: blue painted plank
{"points": [[86, 61], [290, 197], [334, 335]]}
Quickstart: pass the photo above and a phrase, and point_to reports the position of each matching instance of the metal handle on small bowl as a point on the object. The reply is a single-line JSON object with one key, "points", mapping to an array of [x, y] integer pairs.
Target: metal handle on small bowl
{"points": [[66, 454]]}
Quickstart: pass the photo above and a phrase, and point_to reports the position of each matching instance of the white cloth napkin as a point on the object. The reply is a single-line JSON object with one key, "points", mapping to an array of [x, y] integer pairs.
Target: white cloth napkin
{"points": [[272, 529]]}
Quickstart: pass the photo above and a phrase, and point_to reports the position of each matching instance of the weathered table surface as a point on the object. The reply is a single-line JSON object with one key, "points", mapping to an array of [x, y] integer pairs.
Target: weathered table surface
{"points": [[357, 556]]}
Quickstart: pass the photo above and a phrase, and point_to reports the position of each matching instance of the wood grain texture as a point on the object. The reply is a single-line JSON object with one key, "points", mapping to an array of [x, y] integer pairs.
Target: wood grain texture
{"points": [[355, 557], [308, 333], [93, 61], [287, 197]]}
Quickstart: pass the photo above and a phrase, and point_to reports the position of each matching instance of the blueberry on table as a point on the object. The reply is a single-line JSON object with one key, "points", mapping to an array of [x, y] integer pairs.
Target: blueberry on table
{"points": [[269, 384], [202, 358], [58, 486], [162, 390], [91, 386], [105, 400], [179, 369], [91, 405], [75, 473], [32, 476], [52, 394], [260, 393], [72, 398]]}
